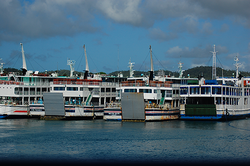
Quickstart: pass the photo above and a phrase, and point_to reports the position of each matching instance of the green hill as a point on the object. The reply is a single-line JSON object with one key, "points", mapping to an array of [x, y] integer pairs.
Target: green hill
{"points": [[206, 71]]}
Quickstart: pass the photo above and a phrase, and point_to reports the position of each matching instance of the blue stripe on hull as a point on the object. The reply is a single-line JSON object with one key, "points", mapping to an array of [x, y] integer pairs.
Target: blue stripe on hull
{"points": [[3, 116], [183, 117], [113, 119], [218, 117]]}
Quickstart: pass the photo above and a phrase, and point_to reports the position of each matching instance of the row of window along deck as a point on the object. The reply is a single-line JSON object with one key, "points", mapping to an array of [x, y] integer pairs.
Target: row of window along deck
{"points": [[232, 91]]}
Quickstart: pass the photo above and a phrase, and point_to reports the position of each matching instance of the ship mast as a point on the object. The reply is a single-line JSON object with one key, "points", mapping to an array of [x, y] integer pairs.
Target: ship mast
{"points": [[87, 65], [24, 69], [236, 59], [152, 69], [180, 70], [1, 67], [131, 71], [214, 64]]}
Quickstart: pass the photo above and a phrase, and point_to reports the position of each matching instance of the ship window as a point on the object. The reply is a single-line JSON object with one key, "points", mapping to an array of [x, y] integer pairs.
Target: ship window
{"points": [[130, 90], [216, 90], [245, 101], [59, 88], [168, 93], [72, 88], [195, 90], [84, 89], [205, 90], [184, 90], [218, 100], [145, 90]]}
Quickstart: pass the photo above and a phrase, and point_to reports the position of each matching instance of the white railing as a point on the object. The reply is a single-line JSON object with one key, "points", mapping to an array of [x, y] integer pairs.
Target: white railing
{"points": [[83, 83]]}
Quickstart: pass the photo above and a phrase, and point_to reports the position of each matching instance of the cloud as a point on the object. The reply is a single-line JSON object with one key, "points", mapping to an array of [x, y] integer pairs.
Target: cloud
{"points": [[185, 24], [24, 20], [206, 28], [159, 35], [196, 52], [121, 11], [42, 19], [197, 64]]}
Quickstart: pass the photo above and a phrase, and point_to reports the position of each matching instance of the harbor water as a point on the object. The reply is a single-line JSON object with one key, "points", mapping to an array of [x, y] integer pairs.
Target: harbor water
{"points": [[111, 142]]}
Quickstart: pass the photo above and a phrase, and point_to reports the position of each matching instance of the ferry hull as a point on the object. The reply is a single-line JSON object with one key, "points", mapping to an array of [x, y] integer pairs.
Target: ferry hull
{"points": [[215, 118], [113, 114], [13, 111], [151, 114], [157, 114], [85, 112], [210, 112]]}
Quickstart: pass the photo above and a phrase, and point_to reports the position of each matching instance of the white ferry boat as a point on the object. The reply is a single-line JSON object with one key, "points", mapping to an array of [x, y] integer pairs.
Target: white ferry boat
{"points": [[18, 91], [218, 99], [22, 95], [85, 97], [161, 95]]}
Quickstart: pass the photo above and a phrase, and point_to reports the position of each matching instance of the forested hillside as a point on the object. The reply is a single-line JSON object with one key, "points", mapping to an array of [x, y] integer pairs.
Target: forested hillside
{"points": [[206, 71]]}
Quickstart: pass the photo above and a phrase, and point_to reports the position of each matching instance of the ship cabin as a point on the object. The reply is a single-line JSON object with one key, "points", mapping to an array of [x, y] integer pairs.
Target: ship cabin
{"points": [[214, 98]]}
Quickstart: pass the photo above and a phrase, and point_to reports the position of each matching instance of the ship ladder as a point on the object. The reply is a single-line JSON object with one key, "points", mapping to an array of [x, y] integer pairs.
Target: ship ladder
{"points": [[89, 98], [162, 101]]}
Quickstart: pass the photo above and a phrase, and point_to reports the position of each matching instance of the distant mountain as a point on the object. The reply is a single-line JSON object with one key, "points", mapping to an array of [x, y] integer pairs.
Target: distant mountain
{"points": [[206, 71]]}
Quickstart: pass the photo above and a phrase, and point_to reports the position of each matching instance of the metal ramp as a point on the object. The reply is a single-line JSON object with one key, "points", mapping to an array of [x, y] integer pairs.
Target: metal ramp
{"points": [[53, 104], [133, 106]]}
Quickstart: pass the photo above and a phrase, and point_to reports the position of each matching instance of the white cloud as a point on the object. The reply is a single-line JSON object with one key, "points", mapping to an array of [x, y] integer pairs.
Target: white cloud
{"points": [[196, 52], [207, 28], [197, 65], [121, 11], [174, 50]]}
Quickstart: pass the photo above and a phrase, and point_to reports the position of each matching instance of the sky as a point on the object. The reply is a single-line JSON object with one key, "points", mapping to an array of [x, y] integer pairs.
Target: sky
{"points": [[117, 31]]}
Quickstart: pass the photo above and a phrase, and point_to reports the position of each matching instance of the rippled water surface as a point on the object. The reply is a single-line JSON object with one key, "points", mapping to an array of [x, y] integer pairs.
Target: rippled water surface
{"points": [[98, 141]]}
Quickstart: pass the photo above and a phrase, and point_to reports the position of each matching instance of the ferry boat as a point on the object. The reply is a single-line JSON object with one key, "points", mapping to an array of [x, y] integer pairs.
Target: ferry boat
{"points": [[18, 91], [161, 95], [217, 99], [84, 97]]}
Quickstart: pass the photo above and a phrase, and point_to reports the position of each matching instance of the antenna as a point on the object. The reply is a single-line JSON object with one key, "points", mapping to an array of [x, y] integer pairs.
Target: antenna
{"points": [[214, 64], [71, 63]]}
